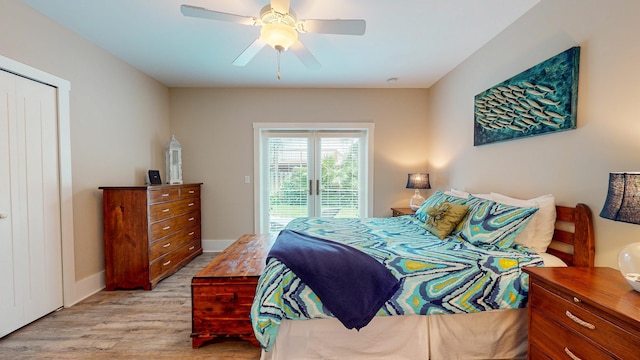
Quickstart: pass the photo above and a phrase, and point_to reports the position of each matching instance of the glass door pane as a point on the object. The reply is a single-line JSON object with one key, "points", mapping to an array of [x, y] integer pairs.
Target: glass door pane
{"points": [[339, 169], [288, 173]]}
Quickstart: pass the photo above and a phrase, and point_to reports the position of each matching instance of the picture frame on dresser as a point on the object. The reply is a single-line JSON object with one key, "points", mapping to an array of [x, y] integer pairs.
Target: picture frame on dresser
{"points": [[150, 232]]}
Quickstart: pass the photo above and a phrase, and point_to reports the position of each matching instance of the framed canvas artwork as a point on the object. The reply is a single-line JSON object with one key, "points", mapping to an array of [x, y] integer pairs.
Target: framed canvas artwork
{"points": [[539, 100]]}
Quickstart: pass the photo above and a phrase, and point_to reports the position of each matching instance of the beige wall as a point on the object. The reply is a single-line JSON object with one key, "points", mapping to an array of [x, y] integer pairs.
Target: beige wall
{"points": [[119, 117], [120, 121], [215, 128], [573, 165]]}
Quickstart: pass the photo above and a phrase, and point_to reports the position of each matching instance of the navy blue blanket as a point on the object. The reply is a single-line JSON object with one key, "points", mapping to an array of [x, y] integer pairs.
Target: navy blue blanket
{"points": [[351, 284]]}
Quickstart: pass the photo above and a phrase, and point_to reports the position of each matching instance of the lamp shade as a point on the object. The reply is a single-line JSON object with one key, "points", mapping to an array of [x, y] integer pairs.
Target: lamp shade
{"points": [[418, 181], [623, 198]]}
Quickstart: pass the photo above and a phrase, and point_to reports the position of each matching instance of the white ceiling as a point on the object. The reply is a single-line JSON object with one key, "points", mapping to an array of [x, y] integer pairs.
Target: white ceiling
{"points": [[415, 41]]}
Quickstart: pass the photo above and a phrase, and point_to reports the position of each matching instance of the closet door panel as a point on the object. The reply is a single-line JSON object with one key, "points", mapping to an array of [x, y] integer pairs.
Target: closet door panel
{"points": [[10, 301], [30, 234], [37, 111]]}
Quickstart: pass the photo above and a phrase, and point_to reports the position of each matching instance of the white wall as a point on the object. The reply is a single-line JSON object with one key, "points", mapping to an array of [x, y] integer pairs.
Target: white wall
{"points": [[574, 165], [119, 117], [215, 128]]}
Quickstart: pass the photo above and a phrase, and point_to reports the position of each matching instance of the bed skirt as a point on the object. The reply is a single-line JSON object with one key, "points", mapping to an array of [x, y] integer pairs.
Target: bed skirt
{"points": [[499, 334]]}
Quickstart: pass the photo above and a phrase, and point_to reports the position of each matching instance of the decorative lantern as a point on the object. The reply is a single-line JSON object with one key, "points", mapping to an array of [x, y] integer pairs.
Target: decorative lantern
{"points": [[174, 161]]}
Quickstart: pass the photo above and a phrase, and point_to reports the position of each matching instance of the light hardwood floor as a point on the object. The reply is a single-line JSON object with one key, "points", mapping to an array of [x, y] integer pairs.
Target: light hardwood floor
{"points": [[133, 324]]}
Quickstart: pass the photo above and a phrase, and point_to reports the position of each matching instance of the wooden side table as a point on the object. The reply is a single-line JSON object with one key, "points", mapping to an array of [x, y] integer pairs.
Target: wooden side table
{"points": [[582, 313], [401, 211]]}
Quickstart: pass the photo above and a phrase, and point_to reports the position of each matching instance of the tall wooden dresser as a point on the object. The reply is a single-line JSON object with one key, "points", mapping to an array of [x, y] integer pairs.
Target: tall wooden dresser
{"points": [[150, 232]]}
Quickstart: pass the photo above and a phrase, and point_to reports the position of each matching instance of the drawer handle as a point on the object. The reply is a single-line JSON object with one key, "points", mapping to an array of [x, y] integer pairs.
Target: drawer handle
{"points": [[166, 263], [191, 248], [165, 195], [192, 191], [576, 300], [579, 321], [166, 245], [191, 204], [166, 210], [191, 233], [571, 355], [191, 218], [166, 227]]}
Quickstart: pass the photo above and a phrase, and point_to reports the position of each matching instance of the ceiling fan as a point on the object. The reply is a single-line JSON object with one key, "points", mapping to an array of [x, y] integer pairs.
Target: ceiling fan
{"points": [[280, 29]]}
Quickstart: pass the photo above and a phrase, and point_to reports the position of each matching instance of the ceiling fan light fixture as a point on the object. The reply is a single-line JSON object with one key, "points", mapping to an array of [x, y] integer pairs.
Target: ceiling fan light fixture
{"points": [[279, 35]]}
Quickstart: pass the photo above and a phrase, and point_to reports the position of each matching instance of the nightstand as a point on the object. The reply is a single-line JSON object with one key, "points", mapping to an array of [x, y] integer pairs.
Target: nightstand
{"points": [[582, 313], [401, 211]]}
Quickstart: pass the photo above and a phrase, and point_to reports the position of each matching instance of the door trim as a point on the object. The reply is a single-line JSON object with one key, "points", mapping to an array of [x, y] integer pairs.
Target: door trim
{"points": [[64, 152], [258, 128]]}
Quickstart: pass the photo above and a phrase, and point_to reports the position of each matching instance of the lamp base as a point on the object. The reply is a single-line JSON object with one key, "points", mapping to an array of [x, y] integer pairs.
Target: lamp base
{"points": [[416, 201], [629, 263]]}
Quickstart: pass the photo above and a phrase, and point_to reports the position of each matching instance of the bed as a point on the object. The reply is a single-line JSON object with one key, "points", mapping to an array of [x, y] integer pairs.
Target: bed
{"points": [[490, 322]]}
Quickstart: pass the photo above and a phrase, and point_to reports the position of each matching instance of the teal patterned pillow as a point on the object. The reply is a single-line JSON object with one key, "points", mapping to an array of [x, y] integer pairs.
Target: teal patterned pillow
{"points": [[491, 223], [472, 202], [438, 197]]}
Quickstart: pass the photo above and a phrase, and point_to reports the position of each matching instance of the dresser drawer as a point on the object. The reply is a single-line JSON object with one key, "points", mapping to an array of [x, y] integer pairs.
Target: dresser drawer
{"points": [[582, 318], [167, 227], [558, 342], [165, 194], [174, 241], [166, 210], [189, 192], [171, 260]]}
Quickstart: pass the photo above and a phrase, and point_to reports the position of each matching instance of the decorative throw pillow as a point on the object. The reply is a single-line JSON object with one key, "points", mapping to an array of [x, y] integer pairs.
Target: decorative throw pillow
{"points": [[471, 201], [493, 223], [444, 217], [438, 197]]}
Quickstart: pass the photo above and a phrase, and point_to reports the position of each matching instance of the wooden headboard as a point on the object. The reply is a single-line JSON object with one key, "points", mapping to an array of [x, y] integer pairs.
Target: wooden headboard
{"points": [[573, 240]]}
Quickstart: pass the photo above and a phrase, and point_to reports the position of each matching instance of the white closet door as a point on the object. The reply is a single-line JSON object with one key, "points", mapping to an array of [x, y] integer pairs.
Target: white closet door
{"points": [[30, 240]]}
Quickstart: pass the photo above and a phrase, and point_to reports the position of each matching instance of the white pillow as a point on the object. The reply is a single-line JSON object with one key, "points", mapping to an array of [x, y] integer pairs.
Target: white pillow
{"points": [[457, 193], [551, 260], [465, 195], [538, 233], [484, 196]]}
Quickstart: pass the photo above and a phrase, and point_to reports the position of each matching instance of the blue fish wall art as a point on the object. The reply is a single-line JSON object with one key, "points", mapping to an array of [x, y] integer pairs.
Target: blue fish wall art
{"points": [[539, 100]]}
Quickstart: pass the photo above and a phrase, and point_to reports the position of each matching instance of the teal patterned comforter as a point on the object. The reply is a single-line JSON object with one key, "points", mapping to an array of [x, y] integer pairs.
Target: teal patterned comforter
{"points": [[447, 276]]}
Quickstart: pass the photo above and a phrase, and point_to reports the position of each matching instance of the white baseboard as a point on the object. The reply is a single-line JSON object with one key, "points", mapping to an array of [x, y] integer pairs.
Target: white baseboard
{"points": [[87, 287]]}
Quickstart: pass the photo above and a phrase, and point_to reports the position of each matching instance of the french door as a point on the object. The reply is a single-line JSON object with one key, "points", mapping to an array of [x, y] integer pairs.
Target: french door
{"points": [[316, 172]]}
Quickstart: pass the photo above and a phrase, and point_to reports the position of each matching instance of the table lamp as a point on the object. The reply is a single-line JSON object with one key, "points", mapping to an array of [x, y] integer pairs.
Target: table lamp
{"points": [[623, 204], [417, 181]]}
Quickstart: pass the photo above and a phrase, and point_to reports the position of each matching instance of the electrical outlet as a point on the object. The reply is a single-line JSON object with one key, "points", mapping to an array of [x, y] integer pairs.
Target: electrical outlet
{"points": [[247, 179]]}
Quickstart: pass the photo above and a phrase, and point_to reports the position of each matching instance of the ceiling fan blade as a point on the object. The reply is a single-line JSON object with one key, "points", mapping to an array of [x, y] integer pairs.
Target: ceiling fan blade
{"points": [[198, 12], [248, 53], [338, 26], [305, 56], [281, 6]]}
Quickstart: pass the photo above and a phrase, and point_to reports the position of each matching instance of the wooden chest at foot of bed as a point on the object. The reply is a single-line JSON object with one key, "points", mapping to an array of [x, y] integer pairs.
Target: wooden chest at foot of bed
{"points": [[222, 292]]}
